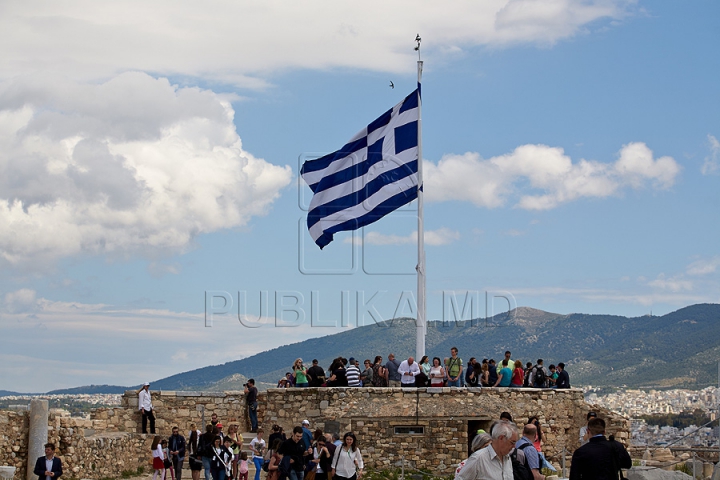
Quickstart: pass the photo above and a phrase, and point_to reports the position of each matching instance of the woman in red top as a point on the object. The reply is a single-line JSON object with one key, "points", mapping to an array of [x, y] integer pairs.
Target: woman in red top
{"points": [[518, 375]]}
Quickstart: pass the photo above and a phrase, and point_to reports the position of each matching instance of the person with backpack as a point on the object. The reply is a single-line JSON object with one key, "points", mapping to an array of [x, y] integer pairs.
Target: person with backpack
{"points": [[539, 375], [532, 459], [493, 462]]}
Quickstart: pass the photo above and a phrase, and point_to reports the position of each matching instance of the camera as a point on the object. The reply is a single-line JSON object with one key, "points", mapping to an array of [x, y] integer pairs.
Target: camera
{"points": [[245, 384]]}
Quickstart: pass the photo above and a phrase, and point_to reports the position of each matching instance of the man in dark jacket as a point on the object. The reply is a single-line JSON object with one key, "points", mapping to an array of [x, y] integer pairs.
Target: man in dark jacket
{"points": [[48, 467], [600, 458], [176, 448], [563, 379], [293, 448]]}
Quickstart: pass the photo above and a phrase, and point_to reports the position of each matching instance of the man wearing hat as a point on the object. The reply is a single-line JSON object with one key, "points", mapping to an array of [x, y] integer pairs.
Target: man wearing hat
{"points": [[307, 436], [146, 408], [219, 426]]}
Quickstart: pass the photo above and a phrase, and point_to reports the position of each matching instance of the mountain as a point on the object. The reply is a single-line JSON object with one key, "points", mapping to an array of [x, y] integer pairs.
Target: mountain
{"points": [[678, 350], [8, 393], [91, 389]]}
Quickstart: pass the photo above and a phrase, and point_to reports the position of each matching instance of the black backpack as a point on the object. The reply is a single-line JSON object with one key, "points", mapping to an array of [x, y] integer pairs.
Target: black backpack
{"points": [[540, 376], [521, 471]]}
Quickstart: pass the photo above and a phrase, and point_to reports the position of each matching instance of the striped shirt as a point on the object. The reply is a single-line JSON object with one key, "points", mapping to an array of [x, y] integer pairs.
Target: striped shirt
{"points": [[353, 376]]}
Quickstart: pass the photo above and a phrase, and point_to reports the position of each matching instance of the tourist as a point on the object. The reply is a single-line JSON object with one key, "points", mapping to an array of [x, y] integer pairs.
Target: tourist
{"points": [[366, 376], [242, 467], [193, 450], [437, 373], [166, 460], [600, 458], [352, 373], [323, 459], [584, 432], [537, 443], [307, 434], [193, 428], [379, 373], [205, 448], [258, 445], [423, 380], [485, 375], [563, 379], [158, 458], [273, 470], [176, 448], [552, 378], [538, 377], [504, 375], [336, 439], [492, 372], [454, 368], [525, 443], [221, 457], [300, 372], [472, 379], [338, 376], [347, 463], [470, 373], [480, 441], [49, 466], [408, 370], [293, 448], [528, 372], [219, 430], [393, 377], [251, 400], [316, 374], [235, 447], [510, 362], [492, 462], [146, 408], [518, 375], [214, 419], [277, 433], [283, 383]]}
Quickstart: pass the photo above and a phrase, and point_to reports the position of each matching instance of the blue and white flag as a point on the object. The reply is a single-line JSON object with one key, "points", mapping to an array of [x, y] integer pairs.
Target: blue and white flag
{"points": [[375, 173]]}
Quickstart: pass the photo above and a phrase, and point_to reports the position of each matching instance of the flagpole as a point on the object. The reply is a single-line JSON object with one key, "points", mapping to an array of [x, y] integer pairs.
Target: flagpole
{"points": [[420, 325]]}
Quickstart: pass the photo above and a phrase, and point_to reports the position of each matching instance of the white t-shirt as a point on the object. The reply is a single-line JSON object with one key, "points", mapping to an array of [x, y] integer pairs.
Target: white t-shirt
{"points": [[259, 445]]}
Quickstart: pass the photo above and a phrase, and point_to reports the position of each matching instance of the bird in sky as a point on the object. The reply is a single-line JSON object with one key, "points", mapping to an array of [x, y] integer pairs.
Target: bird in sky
{"points": [[392, 85]]}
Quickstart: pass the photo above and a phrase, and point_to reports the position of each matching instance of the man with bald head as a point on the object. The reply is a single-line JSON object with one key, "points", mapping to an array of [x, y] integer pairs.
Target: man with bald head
{"points": [[408, 370], [532, 459]]}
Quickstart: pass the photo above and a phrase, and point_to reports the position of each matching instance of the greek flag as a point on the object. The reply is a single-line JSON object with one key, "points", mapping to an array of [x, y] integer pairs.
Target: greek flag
{"points": [[375, 173]]}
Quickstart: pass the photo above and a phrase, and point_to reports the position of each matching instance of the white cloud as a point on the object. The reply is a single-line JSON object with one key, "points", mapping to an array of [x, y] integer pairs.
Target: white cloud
{"points": [[441, 236], [23, 300], [712, 161], [134, 164], [547, 170], [674, 284], [704, 266], [238, 41]]}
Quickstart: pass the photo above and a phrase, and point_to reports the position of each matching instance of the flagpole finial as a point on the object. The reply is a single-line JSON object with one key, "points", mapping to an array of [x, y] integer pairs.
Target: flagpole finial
{"points": [[417, 47]]}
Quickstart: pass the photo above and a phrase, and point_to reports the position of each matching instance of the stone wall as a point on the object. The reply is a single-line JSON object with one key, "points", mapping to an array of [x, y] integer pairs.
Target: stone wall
{"points": [[110, 442], [448, 415]]}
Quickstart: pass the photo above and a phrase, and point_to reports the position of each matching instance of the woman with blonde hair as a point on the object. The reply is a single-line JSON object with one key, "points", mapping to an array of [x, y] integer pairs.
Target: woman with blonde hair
{"points": [[300, 372]]}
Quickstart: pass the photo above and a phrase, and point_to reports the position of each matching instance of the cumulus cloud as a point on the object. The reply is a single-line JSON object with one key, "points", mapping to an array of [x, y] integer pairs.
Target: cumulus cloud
{"points": [[712, 161], [704, 266], [23, 300], [93, 40], [133, 164], [441, 236], [548, 172]]}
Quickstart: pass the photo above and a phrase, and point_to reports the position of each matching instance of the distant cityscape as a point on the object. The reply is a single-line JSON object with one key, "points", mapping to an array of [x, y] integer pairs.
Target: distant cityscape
{"points": [[632, 403], [635, 403]]}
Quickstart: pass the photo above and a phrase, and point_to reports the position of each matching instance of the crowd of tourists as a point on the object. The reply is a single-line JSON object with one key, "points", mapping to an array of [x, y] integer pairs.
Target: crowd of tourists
{"points": [[449, 372], [222, 456]]}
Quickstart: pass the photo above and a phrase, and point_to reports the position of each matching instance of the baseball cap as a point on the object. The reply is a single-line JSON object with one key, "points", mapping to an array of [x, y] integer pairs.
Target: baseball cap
{"points": [[219, 425], [306, 422]]}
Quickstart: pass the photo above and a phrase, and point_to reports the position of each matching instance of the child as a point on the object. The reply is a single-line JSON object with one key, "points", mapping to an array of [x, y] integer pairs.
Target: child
{"points": [[157, 456], [167, 463], [243, 467]]}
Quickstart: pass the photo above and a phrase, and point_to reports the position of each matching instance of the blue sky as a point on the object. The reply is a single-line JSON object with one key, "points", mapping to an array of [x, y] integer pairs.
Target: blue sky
{"points": [[150, 154]]}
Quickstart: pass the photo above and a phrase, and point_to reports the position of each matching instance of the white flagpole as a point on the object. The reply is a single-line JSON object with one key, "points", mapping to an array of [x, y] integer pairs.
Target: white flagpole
{"points": [[420, 324]]}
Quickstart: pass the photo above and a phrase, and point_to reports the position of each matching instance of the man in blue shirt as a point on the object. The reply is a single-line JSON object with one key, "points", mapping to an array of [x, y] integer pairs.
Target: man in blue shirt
{"points": [[532, 459]]}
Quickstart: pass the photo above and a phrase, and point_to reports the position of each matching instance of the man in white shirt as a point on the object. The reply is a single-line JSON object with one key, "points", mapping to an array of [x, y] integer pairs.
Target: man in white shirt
{"points": [[492, 462], [408, 370], [146, 408]]}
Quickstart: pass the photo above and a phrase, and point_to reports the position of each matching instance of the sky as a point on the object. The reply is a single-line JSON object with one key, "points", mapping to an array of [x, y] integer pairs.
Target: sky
{"points": [[152, 219]]}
